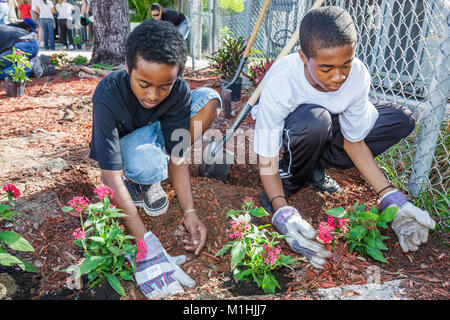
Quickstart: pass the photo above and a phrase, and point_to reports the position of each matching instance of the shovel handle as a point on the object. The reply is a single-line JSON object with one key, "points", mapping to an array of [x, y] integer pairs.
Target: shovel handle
{"points": [[252, 38]]}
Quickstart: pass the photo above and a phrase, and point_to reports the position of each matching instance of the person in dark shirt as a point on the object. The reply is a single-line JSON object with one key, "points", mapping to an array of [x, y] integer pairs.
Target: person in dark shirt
{"points": [[176, 17], [143, 123], [21, 38]]}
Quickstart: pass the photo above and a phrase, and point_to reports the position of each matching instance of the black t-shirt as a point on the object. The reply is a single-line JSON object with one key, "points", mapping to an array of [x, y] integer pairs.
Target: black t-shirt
{"points": [[117, 112], [9, 36], [174, 16]]}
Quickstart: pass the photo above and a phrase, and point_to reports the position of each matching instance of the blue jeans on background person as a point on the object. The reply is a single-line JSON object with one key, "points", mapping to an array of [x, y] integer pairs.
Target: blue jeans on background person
{"points": [[49, 35], [144, 157], [184, 28], [3, 12], [30, 46]]}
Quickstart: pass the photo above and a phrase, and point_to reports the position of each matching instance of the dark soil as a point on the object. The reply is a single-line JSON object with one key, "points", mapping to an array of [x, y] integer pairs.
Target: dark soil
{"points": [[34, 132]]}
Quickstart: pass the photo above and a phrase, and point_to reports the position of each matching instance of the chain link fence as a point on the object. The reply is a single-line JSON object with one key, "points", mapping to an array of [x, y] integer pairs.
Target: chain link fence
{"points": [[405, 45]]}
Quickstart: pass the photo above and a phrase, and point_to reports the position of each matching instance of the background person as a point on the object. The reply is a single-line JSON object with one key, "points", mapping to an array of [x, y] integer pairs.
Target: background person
{"points": [[45, 9], [4, 12], [176, 17], [24, 9], [64, 10]]}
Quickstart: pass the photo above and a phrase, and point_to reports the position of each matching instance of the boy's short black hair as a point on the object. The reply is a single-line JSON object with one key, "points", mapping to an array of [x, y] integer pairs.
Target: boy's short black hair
{"points": [[157, 41], [326, 27]]}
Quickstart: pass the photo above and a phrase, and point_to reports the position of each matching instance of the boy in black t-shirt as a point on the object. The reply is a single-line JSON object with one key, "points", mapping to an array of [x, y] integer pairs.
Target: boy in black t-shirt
{"points": [[139, 115]]}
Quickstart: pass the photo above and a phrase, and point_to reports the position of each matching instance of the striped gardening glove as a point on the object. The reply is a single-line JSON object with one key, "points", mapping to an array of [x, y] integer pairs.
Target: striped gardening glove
{"points": [[157, 273], [410, 223], [300, 235]]}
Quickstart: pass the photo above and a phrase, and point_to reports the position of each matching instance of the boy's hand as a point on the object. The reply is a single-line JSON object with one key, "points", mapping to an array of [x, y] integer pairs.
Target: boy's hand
{"points": [[197, 230], [300, 234], [410, 224]]}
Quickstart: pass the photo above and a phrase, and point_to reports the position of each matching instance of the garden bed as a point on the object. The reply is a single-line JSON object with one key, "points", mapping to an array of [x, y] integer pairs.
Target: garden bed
{"points": [[44, 153]]}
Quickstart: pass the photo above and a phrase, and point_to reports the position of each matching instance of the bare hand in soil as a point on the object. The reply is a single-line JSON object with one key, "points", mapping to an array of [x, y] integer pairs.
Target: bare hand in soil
{"points": [[197, 230]]}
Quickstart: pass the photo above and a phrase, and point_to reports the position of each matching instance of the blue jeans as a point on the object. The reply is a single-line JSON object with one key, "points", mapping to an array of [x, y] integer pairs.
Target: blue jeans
{"points": [[47, 26], [30, 46], [143, 154], [184, 28], [3, 13]]}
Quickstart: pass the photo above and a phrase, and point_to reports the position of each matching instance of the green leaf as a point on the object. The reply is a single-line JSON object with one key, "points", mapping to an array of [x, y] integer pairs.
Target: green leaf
{"points": [[358, 231], [375, 253], [237, 254], [8, 260], [269, 283], [125, 275], [15, 241], [264, 226], [337, 212], [259, 212], [67, 209], [379, 244], [98, 239], [367, 215], [115, 250], [115, 284], [224, 249], [243, 274], [388, 214], [91, 263], [233, 212]]}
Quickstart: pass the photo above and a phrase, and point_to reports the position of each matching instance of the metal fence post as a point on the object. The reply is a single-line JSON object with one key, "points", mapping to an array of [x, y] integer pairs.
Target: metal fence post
{"points": [[433, 114]]}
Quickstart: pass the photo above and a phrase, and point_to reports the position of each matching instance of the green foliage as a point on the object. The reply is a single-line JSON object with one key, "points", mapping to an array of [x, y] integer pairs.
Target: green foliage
{"points": [[364, 235], [76, 40], [10, 240], [254, 250], [139, 10], [226, 59], [104, 244], [80, 60], [20, 64]]}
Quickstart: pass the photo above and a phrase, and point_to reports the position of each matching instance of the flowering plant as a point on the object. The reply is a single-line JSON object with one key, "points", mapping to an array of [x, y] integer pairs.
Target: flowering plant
{"points": [[257, 71], [254, 250], [364, 235], [9, 238], [103, 241], [20, 65]]}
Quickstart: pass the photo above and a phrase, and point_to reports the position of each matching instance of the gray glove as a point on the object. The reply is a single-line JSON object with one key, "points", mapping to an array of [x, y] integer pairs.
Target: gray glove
{"points": [[410, 224], [158, 274], [300, 235]]}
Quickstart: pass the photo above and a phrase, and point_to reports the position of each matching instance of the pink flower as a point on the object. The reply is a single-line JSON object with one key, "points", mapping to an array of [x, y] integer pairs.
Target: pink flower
{"points": [[332, 222], [141, 250], [271, 254], [103, 191], [12, 190], [238, 229], [79, 234], [325, 232], [247, 198], [78, 203]]}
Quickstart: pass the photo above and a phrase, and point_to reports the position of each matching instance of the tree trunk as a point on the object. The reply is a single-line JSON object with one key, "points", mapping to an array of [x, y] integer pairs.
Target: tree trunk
{"points": [[110, 27]]}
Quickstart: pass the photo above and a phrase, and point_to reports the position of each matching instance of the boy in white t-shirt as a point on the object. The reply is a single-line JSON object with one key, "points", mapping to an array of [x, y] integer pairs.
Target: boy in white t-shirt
{"points": [[314, 104]]}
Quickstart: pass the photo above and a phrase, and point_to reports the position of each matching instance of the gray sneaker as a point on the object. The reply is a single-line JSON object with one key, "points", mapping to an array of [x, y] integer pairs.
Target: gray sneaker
{"points": [[322, 182], [155, 200]]}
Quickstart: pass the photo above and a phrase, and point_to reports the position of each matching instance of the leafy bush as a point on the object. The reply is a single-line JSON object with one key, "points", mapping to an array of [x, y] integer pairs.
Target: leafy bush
{"points": [[20, 65], [226, 59]]}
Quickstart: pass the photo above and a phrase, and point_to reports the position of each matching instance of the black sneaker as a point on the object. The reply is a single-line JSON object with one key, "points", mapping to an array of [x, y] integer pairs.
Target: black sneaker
{"points": [[155, 201], [265, 203], [324, 183], [136, 190], [48, 68]]}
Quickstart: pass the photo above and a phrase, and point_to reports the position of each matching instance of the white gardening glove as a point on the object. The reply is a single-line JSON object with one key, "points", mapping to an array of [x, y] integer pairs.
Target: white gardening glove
{"points": [[410, 224], [300, 235], [158, 274]]}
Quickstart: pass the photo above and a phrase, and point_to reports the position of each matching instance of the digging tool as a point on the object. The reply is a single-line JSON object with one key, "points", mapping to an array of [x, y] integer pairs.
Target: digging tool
{"points": [[213, 164], [226, 92]]}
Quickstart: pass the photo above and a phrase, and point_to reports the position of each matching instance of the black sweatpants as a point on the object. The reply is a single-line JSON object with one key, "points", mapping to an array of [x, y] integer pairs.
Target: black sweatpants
{"points": [[312, 139], [64, 32]]}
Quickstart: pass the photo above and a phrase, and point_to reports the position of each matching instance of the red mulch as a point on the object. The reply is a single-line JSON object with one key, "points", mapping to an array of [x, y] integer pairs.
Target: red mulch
{"points": [[40, 111]]}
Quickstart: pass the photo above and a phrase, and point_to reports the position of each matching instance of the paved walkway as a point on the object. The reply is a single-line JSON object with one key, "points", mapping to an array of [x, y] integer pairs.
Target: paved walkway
{"points": [[198, 63]]}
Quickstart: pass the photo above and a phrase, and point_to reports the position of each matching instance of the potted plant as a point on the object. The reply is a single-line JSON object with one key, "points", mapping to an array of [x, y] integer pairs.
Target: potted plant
{"points": [[77, 42], [15, 82], [226, 61]]}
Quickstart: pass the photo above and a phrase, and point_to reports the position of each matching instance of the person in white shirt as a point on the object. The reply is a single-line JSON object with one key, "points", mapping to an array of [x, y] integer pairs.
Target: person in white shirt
{"points": [[314, 103], [46, 10], [64, 10]]}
